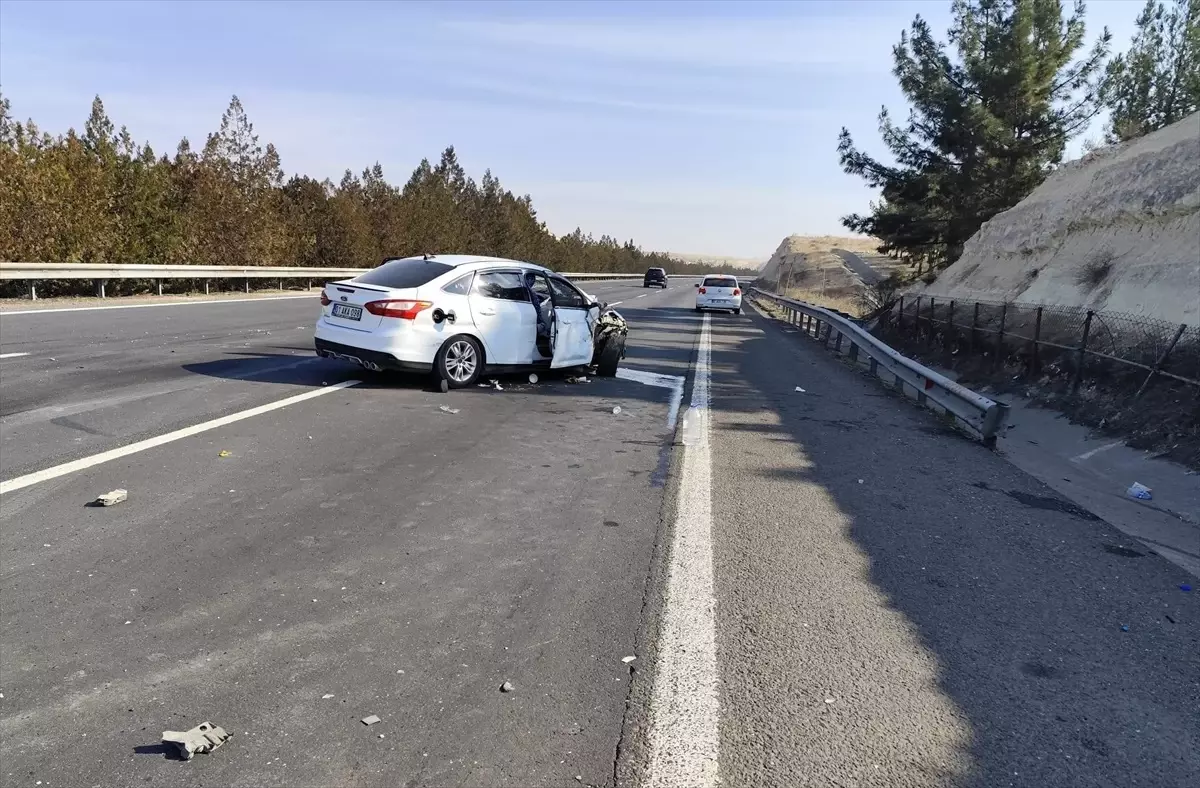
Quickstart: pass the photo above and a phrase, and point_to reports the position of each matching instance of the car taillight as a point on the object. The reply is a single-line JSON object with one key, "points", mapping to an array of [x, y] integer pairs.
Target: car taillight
{"points": [[737, 291], [405, 310], [325, 299], [703, 291]]}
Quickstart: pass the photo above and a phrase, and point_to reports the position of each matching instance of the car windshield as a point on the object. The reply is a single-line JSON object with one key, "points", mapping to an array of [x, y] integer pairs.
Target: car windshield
{"points": [[404, 273], [720, 281]]}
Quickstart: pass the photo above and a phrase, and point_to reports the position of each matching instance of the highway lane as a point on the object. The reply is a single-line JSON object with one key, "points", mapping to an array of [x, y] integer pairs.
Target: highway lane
{"points": [[945, 621], [365, 544]]}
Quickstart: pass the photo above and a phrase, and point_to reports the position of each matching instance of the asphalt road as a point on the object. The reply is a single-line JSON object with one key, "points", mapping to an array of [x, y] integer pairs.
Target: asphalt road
{"points": [[944, 621]]}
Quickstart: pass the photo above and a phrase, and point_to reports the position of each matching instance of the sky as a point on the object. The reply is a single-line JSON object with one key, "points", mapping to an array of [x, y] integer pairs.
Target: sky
{"points": [[701, 127]]}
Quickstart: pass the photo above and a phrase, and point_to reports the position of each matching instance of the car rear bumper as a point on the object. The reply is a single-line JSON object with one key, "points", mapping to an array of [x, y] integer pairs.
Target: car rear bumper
{"points": [[371, 359], [730, 304]]}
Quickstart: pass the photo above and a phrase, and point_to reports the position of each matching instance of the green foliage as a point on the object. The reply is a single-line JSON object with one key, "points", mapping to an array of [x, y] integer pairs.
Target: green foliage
{"points": [[1157, 81], [991, 112], [100, 197]]}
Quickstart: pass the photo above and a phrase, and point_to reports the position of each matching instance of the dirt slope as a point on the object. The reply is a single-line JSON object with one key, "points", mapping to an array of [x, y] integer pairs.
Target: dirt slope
{"points": [[1117, 230]]}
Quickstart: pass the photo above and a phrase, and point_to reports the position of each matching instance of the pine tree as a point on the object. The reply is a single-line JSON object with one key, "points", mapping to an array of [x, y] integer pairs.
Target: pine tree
{"points": [[1157, 81], [985, 124]]}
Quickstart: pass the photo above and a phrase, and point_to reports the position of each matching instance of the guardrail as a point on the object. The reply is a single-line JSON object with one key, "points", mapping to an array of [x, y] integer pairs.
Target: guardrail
{"points": [[984, 417], [100, 273]]}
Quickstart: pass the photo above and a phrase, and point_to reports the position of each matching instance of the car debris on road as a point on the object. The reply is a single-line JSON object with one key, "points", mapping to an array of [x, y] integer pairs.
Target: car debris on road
{"points": [[506, 687], [448, 409], [112, 498], [204, 738], [371, 720]]}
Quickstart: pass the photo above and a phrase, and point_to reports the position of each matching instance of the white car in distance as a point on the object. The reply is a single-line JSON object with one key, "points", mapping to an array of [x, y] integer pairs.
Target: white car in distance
{"points": [[455, 316], [719, 291]]}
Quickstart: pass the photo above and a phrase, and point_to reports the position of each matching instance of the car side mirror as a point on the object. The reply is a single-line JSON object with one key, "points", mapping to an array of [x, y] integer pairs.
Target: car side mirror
{"points": [[598, 305]]}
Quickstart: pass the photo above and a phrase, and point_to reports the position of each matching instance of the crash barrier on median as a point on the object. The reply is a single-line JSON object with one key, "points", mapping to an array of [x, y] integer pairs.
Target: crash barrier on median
{"points": [[982, 416], [101, 273]]}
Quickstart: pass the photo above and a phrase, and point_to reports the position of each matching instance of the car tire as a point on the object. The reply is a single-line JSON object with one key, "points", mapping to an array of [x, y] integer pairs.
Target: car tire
{"points": [[608, 357], [737, 311], [459, 361], [698, 309]]}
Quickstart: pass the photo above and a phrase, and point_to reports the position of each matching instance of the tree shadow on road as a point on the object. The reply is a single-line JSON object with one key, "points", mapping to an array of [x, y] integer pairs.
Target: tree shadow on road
{"points": [[1067, 663]]}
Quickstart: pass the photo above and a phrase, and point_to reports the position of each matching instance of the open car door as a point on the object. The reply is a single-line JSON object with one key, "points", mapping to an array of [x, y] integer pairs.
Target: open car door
{"points": [[572, 332]]}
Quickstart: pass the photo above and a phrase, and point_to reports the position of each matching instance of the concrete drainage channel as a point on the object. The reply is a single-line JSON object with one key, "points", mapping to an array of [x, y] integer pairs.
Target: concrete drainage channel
{"points": [[980, 416]]}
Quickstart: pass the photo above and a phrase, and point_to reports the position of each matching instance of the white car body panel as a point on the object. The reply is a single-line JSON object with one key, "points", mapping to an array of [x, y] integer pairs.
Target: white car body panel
{"points": [[719, 297], [506, 328]]}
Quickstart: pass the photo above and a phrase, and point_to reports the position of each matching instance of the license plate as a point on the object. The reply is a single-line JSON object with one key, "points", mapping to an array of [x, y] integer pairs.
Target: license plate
{"points": [[347, 312]]}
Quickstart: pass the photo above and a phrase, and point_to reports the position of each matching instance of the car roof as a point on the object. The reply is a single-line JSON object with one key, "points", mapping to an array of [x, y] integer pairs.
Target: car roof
{"points": [[458, 260], [723, 276]]}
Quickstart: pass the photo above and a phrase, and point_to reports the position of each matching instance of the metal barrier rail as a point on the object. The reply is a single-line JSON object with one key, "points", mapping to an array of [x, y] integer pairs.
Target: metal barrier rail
{"points": [[981, 415]]}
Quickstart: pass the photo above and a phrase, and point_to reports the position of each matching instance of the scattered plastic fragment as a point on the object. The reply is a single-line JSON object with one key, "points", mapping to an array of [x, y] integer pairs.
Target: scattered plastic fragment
{"points": [[1185, 587], [506, 687], [1139, 491], [204, 738], [496, 385], [802, 391], [533, 378], [1124, 627], [829, 700], [224, 453], [860, 481], [370, 720], [574, 379], [627, 660], [448, 409], [327, 696], [617, 409], [112, 498]]}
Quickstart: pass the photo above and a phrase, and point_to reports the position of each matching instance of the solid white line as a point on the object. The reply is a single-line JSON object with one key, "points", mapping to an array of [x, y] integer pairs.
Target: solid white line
{"points": [[12, 355], [132, 448], [643, 296], [146, 306], [1087, 455], [685, 704], [673, 382], [614, 303]]}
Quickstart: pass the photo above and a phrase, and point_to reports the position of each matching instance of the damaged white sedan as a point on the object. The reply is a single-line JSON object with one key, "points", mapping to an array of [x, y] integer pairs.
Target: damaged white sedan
{"points": [[459, 316]]}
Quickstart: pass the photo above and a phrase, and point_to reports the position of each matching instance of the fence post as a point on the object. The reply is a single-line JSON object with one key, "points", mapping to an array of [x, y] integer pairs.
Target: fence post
{"points": [[974, 326], [900, 319], [932, 315], [946, 338], [1035, 364], [1000, 337], [1087, 328], [1161, 359]]}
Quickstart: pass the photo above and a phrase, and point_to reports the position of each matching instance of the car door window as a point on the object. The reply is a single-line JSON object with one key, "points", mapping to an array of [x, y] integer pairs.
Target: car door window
{"points": [[566, 295], [503, 285]]}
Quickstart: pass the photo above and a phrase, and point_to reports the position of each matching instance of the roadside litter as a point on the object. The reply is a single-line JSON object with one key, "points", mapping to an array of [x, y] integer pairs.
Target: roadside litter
{"points": [[1184, 587], [204, 738], [627, 660], [533, 378], [224, 453], [802, 391], [1139, 491], [496, 385], [111, 498], [616, 410], [370, 720], [574, 379], [448, 409], [506, 687], [327, 696]]}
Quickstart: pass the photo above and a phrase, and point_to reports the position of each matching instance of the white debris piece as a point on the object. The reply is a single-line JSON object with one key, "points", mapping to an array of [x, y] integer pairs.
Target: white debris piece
{"points": [[205, 737], [628, 659], [370, 720], [617, 410], [112, 498], [802, 391], [506, 687], [448, 409], [533, 378], [327, 696]]}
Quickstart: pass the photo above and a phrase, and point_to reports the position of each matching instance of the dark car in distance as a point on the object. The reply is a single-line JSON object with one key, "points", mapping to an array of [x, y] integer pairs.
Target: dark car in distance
{"points": [[655, 276]]}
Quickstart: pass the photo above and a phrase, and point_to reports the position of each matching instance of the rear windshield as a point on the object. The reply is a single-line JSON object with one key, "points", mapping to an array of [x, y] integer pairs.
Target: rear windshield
{"points": [[408, 272], [720, 281], [656, 271]]}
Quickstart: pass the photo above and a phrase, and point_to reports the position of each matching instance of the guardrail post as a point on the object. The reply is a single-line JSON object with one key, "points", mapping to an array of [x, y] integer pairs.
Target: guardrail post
{"points": [[1000, 337], [900, 317], [280, 284], [205, 287], [158, 282], [1035, 362], [1161, 360], [310, 284], [100, 288], [1087, 328], [853, 351], [837, 346], [247, 285], [32, 291]]}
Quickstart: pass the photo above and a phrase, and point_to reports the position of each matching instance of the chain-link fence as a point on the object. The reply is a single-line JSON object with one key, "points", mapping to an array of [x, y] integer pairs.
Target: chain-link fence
{"points": [[1075, 342]]}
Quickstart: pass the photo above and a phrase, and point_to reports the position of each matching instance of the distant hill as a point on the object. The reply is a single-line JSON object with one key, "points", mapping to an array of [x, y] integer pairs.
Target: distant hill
{"points": [[718, 262]]}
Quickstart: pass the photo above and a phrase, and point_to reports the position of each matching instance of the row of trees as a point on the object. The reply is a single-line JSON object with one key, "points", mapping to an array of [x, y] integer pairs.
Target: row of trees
{"points": [[993, 108], [100, 197]]}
